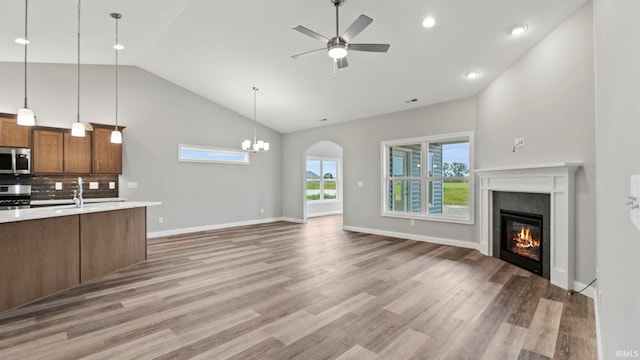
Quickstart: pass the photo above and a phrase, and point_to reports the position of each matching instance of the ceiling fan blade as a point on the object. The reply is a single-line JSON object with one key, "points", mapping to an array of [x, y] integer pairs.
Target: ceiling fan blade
{"points": [[342, 63], [361, 22], [370, 47], [311, 33], [304, 54]]}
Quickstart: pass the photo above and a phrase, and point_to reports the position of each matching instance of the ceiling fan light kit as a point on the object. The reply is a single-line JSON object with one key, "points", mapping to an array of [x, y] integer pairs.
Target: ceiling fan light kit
{"points": [[338, 46]]}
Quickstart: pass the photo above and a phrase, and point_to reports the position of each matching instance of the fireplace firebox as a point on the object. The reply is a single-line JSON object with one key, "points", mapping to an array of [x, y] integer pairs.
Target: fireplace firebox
{"points": [[521, 239]]}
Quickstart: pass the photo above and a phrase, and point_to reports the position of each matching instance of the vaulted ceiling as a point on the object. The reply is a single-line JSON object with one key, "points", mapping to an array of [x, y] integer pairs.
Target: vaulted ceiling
{"points": [[221, 49]]}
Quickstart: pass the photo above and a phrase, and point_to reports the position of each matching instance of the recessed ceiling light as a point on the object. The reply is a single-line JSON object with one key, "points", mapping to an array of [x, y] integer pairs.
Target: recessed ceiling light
{"points": [[21, 41], [472, 75], [518, 30], [118, 46], [429, 22]]}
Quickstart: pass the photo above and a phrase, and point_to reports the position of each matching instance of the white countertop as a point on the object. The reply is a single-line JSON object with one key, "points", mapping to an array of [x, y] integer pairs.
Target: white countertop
{"points": [[70, 201], [7, 216]]}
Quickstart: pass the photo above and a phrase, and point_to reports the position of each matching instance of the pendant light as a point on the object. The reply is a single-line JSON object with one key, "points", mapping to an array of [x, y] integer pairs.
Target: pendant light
{"points": [[77, 129], [257, 145], [25, 115], [116, 135]]}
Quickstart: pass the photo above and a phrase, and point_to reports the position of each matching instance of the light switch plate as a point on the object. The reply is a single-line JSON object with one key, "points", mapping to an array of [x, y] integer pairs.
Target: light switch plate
{"points": [[58, 186], [634, 214], [132, 185], [112, 185], [93, 185], [360, 183]]}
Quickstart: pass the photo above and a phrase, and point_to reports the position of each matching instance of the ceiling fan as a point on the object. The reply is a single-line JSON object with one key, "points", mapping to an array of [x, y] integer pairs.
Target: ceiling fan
{"points": [[338, 46]]}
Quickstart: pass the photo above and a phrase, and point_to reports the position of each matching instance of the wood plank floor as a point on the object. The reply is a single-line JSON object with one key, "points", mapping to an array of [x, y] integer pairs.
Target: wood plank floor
{"points": [[284, 291]]}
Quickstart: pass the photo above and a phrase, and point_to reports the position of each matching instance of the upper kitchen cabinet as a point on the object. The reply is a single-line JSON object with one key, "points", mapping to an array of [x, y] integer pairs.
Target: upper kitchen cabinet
{"points": [[12, 134], [107, 157], [77, 154], [48, 151]]}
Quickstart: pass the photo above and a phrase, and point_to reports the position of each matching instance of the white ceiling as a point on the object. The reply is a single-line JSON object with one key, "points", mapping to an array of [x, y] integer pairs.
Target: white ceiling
{"points": [[221, 49]]}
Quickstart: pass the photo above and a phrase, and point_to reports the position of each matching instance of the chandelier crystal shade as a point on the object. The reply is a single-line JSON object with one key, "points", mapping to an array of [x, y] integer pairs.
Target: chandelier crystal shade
{"points": [[25, 115], [116, 135], [256, 145], [77, 129]]}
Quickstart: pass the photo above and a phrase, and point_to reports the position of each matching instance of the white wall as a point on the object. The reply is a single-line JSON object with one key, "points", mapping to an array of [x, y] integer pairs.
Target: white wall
{"points": [[329, 150], [547, 97], [618, 156], [360, 141], [159, 115]]}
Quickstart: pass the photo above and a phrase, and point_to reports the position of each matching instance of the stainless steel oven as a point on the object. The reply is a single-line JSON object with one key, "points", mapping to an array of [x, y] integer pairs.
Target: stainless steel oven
{"points": [[15, 161], [15, 197]]}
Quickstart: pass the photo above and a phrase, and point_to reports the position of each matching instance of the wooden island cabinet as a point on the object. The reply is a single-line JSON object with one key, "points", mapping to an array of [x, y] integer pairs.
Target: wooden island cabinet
{"points": [[12, 134], [46, 250]]}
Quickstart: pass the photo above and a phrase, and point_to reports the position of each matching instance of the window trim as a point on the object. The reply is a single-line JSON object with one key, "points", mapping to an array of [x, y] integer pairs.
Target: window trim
{"points": [[337, 180], [245, 155], [424, 178]]}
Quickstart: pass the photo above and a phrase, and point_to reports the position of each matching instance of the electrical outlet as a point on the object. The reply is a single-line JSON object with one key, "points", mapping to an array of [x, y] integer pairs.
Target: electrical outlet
{"points": [[634, 203], [160, 220], [261, 211], [132, 185], [58, 186], [360, 183], [413, 222], [94, 185], [112, 185]]}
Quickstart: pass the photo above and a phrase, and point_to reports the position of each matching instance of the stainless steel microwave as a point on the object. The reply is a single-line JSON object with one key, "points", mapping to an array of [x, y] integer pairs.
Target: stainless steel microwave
{"points": [[15, 161]]}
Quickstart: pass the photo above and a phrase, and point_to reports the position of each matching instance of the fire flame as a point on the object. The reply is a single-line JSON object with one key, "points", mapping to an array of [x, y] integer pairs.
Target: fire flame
{"points": [[524, 239]]}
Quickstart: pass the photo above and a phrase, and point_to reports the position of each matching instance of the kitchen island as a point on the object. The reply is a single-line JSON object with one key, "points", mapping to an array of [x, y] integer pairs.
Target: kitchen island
{"points": [[45, 250]]}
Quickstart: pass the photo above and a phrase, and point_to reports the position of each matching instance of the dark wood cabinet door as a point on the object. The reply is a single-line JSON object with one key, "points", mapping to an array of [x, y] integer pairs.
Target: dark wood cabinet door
{"points": [[12, 134], [48, 152], [77, 154], [107, 157]]}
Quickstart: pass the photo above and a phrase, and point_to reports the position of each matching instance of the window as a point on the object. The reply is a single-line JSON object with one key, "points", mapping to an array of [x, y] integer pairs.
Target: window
{"points": [[322, 179], [196, 153], [428, 178]]}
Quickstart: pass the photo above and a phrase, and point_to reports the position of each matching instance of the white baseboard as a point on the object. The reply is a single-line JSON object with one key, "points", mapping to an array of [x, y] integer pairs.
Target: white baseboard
{"points": [[293, 220], [181, 231], [423, 238], [324, 213], [596, 304]]}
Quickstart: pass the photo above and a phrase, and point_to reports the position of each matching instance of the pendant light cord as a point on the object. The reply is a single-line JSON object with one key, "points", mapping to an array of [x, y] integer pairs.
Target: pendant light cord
{"points": [[79, 60], [255, 117], [26, 45], [115, 47]]}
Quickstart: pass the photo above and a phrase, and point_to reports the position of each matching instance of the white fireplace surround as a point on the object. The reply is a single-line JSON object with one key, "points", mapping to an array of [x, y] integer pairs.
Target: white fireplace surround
{"points": [[557, 180]]}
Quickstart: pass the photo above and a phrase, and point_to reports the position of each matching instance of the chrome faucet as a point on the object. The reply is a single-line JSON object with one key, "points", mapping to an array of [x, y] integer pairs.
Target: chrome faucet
{"points": [[77, 195]]}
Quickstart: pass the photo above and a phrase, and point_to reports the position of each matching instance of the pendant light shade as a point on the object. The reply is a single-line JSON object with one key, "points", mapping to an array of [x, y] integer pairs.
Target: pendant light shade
{"points": [[25, 115], [77, 129], [257, 145], [116, 135]]}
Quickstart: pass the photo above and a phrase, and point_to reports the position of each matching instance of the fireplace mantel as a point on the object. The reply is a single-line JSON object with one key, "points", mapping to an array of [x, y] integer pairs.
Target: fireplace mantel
{"points": [[555, 179]]}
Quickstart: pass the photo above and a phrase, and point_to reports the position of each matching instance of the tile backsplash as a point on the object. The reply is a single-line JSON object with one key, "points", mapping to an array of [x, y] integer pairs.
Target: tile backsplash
{"points": [[43, 187]]}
